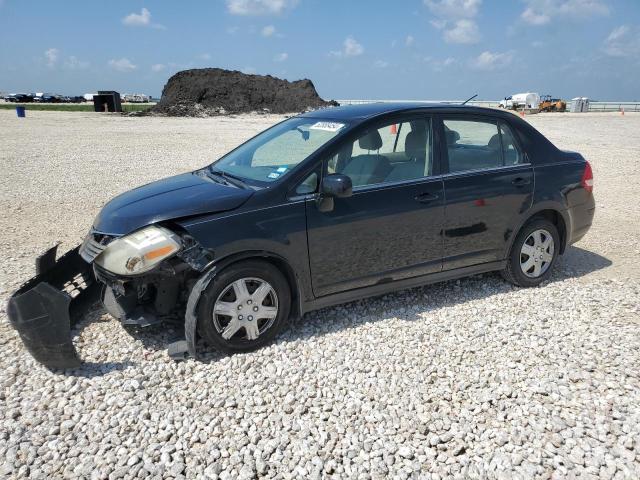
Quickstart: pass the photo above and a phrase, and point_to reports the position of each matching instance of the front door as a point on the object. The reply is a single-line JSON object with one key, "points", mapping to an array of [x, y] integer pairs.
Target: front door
{"points": [[488, 187], [390, 228]]}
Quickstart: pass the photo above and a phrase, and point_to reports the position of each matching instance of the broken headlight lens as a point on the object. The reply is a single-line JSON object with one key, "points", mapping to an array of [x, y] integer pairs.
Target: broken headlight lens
{"points": [[139, 252]]}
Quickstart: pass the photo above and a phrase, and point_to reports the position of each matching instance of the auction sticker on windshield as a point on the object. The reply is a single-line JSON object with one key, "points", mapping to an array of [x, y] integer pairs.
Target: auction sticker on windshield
{"points": [[327, 126]]}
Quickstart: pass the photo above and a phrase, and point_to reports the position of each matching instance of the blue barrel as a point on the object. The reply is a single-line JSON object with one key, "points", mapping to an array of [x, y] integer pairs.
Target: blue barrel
{"points": [[21, 111]]}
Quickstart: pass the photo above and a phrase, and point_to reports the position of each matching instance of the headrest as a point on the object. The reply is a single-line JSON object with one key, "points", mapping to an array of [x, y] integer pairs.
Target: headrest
{"points": [[415, 145], [494, 143], [452, 136], [371, 141]]}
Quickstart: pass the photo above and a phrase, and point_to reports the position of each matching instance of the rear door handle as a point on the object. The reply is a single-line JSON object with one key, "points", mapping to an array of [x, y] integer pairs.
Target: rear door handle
{"points": [[426, 197], [521, 182]]}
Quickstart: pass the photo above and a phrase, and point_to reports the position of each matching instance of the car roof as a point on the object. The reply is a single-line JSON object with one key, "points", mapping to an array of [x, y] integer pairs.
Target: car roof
{"points": [[360, 112]]}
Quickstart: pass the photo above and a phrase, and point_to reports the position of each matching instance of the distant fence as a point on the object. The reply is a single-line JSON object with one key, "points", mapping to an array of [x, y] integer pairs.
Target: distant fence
{"points": [[593, 106], [477, 103], [614, 106]]}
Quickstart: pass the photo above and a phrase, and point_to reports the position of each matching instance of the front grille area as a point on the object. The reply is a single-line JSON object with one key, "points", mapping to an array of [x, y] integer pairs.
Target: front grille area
{"points": [[93, 245]]}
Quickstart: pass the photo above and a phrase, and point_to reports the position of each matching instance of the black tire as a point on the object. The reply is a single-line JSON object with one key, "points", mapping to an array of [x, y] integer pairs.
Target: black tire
{"points": [[249, 269], [513, 272]]}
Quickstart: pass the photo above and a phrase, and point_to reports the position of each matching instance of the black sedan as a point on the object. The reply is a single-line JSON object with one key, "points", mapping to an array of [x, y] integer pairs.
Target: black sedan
{"points": [[323, 208], [20, 98]]}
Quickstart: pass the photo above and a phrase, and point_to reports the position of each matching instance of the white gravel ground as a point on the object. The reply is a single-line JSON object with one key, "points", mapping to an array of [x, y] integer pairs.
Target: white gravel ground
{"points": [[465, 379]]}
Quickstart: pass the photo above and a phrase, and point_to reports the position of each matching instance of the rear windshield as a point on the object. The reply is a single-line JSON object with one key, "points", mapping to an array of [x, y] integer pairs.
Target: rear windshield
{"points": [[273, 153]]}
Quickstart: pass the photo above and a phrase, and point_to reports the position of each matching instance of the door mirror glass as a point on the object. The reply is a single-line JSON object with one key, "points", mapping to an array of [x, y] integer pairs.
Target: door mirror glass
{"points": [[337, 185]]}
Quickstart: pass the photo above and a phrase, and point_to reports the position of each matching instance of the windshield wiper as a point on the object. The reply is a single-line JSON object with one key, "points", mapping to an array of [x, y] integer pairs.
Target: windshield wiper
{"points": [[229, 178], [216, 177]]}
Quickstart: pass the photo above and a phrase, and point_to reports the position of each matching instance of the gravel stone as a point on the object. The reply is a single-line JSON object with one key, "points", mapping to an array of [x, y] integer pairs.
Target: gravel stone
{"points": [[464, 379]]}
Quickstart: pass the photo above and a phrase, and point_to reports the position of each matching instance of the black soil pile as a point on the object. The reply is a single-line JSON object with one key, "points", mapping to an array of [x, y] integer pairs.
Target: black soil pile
{"points": [[214, 91]]}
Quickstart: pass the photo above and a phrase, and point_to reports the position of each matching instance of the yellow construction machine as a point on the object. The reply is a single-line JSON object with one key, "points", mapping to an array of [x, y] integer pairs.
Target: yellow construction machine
{"points": [[548, 104]]}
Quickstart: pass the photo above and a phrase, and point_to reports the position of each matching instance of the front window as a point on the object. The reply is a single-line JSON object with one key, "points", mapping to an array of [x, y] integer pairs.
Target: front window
{"points": [[273, 153], [394, 152]]}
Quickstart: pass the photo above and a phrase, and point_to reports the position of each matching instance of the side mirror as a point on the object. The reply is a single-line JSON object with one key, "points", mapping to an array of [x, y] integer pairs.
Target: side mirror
{"points": [[337, 185], [333, 186]]}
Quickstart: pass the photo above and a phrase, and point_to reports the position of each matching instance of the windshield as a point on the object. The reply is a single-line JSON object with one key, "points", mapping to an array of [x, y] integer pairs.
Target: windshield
{"points": [[274, 152]]}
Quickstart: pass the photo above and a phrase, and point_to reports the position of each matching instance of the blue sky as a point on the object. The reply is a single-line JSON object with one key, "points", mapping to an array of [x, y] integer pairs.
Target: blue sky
{"points": [[411, 49]]}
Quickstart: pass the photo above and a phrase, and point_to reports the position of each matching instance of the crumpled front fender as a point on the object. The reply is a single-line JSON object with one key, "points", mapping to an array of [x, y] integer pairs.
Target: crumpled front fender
{"points": [[183, 349]]}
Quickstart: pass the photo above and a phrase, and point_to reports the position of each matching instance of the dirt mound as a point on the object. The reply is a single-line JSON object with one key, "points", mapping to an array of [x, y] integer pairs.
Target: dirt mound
{"points": [[214, 91]]}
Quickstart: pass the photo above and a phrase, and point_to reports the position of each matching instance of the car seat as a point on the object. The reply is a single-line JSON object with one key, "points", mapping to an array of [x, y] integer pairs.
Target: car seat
{"points": [[368, 168]]}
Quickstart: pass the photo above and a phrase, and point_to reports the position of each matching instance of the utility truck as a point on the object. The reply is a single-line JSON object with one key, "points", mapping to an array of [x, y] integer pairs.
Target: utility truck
{"points": [[527, 101]]}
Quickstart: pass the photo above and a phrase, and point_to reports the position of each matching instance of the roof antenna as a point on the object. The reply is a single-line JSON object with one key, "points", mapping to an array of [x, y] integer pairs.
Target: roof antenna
{"points": [[469, 99]]}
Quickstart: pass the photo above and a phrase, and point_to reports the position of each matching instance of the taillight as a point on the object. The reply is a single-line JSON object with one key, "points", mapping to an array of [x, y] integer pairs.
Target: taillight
{"points": [[587, 178]]}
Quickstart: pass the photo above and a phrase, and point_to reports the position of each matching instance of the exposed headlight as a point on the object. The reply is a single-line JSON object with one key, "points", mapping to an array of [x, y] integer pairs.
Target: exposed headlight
{"points": [[139, 252]]}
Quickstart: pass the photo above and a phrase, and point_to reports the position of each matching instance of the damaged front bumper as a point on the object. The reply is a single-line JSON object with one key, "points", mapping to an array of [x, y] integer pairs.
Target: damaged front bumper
{"points": [[44, 308]]}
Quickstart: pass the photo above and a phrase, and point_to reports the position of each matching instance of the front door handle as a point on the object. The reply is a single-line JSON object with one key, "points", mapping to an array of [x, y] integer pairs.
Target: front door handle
{"points": [[521, 182], [426, 197]]}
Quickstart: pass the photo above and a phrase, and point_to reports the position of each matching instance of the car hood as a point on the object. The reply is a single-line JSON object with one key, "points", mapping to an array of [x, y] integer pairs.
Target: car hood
{"points": [[174, 197]]}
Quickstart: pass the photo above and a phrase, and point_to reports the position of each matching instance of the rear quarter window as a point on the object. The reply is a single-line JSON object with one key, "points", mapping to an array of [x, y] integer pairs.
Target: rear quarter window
{"points": [[512, 152]]}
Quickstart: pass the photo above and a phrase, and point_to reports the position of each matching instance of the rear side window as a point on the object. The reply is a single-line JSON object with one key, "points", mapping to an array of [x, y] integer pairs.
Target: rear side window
{"points": [[472, 145], [512, 153]]}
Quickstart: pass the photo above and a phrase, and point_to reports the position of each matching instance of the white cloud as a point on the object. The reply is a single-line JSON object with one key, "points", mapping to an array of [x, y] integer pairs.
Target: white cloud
{"points": [[158, 67], [440, 65], [454, 8], [463, 31], [492, 61], [618, 33], [542, 12], [456, 19], [281, 57], [533, 18], [73, 63], [409, 41], [248, 70], [204, 56], [623, 42], [259, 7], [268, 31], [141, 19], [380, 64], [351, 48], [122, 65], [52, 56]]}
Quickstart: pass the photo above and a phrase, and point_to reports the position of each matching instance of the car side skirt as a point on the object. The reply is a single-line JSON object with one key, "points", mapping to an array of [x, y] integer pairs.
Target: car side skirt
{"points": [[383, 288]]}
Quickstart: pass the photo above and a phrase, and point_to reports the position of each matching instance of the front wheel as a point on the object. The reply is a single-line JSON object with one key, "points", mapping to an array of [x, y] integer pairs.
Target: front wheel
{"points": [[533, 254], [244, 307]]}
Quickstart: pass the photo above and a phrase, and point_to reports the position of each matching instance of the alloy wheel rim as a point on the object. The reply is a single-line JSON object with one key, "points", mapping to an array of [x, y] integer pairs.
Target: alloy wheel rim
{"points": [[245, 309], [536, 253]]}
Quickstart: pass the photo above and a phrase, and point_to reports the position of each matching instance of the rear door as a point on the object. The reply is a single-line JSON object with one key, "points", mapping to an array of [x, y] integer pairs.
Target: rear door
{"points": [[390, 228], [488, 185]]}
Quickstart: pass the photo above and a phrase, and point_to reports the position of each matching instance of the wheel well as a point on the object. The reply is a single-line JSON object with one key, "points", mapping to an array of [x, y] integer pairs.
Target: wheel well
{"points": [[278, 263], [556, 218]]}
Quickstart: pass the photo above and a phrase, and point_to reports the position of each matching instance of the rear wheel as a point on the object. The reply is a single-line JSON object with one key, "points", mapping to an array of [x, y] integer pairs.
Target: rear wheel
{"points": [[245, 307], [533, 254]]}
